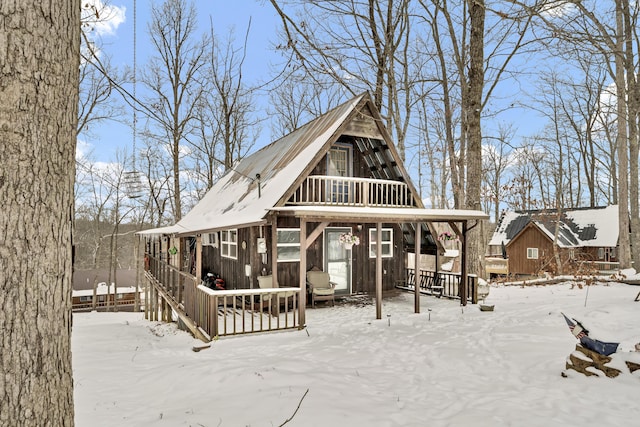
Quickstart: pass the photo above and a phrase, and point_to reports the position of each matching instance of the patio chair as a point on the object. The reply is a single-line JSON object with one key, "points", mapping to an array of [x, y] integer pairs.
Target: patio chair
{"points": [[322, 288], [265, 282]]}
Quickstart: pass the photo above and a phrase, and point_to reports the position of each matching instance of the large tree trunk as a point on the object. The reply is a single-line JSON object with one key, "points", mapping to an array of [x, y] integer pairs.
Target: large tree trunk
{"points": [[624, 244], [39, 61], [473, 109], [632, 115]]}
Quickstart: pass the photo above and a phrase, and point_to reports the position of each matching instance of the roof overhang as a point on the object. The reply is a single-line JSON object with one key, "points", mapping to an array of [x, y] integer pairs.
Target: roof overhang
{"points": [[369, 214], [228, 226], [162, 231]]}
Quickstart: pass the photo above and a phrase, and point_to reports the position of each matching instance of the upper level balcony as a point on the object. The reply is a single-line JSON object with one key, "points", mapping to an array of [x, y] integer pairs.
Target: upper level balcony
{"points": [[346, 191]]}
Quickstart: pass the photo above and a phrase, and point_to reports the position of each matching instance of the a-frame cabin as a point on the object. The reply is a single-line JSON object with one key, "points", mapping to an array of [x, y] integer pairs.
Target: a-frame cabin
{"points": [[281, 211]]}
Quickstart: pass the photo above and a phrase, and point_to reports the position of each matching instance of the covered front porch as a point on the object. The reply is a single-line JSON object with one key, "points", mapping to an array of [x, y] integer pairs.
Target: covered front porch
{"points": [[174, 295], [209, 314]]}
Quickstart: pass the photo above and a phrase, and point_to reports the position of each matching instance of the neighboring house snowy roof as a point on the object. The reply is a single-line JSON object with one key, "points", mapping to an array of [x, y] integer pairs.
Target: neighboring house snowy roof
{"points": [[587, 227]]}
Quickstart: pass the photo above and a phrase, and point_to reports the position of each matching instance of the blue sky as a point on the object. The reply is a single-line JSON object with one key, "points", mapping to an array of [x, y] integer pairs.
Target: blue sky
{"points": [[116, 37]]}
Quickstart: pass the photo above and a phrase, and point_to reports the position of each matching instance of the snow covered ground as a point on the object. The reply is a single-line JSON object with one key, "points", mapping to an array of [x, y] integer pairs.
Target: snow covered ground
{"points": [[447, 366]]}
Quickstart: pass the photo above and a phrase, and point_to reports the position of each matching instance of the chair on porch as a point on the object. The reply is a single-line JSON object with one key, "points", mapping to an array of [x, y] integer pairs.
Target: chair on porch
{"points": [[266, 282], [322, 288]]}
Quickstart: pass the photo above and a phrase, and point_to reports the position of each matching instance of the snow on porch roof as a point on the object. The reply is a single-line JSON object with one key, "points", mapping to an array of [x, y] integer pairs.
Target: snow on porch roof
{"points": [[384, 214]]}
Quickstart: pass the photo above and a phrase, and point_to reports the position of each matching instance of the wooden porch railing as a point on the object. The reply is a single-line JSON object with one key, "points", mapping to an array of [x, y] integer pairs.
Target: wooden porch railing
{"points": [[442, 284], [244, 311], [348, 191], [209, 314]]}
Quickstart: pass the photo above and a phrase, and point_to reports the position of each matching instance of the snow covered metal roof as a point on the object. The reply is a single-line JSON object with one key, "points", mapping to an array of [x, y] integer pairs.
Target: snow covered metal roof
{"points": [[262, 182], [586, 227]]}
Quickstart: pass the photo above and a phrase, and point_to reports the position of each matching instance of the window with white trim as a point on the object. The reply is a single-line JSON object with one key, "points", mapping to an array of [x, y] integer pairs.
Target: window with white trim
{"points": [[86, 299], [532, 253], [288, 244], [229, 243], [387, 242]]}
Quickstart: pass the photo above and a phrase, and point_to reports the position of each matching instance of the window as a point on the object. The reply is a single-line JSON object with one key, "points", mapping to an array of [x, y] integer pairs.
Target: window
{"points": [[338, 158], [86, 299], [288, 244], [210, 239], [229, 244], [339, 165], [532, 253], [387, 242]]}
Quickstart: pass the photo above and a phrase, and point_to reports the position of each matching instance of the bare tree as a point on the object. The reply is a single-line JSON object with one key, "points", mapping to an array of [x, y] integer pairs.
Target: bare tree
{"points": [[38, 121], [225, 114], [359, 46], [172, 77], [472, 111], [601, 30], [496, 160]]}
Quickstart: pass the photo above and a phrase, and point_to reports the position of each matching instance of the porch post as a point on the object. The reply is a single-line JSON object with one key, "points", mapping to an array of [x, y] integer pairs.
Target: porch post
{"points": [[199, 257], [379, 271], [274, 248], [463, 266], [303, 273], [416, 286]]}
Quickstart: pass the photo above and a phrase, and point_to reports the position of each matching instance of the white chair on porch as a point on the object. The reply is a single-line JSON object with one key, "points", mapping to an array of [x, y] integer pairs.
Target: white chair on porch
{"points": [[321, 286], [266, 282]]}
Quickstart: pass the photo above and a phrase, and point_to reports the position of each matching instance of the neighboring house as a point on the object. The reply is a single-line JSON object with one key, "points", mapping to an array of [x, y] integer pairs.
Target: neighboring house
{"points": [[526, 238], [84, 282], [283, 209]]}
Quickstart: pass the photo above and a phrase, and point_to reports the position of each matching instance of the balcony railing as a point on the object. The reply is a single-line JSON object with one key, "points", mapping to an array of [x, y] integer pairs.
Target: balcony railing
{"points": [[347, 191]]}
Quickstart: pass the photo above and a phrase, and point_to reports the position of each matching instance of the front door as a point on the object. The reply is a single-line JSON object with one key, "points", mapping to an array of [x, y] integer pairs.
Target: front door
{"points": [[337, 259]]}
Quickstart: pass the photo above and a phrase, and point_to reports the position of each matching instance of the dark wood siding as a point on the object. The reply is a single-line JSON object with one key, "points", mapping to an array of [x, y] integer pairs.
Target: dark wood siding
{"points": [[363, 280], [360, 168], [233, 270], [530, 237]]}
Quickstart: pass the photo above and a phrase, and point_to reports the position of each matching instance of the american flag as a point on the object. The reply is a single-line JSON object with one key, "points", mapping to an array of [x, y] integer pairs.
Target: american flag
{"points": [[576, 328]]}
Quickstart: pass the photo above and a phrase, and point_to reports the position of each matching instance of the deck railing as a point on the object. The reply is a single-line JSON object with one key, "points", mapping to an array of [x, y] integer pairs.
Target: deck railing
{"points": [[244, 311], [218, 313], [83, 306], [347, 191], [495, 265], [602, 266], [442, 284]]}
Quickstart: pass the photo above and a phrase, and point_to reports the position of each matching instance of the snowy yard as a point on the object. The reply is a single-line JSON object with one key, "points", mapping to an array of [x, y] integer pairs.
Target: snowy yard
{"points": [[445, 367]]}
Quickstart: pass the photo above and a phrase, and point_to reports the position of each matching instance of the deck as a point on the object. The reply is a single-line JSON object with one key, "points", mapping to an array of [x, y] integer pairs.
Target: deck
{"points": [[440, 284], [209, 314]]}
